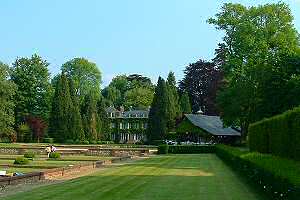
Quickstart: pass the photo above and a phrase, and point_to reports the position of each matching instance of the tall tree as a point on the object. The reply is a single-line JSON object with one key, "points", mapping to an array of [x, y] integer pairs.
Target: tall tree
{"points": [[139, 98], [76, 127], [202, 81], [62, 108], [130, 91], [33, 97], [157, 127], [185, 103], [89, 114], [103, 121], [38, 126], [7, 91], [173, 107], [112, 96], [257, 42], [85, 75]]}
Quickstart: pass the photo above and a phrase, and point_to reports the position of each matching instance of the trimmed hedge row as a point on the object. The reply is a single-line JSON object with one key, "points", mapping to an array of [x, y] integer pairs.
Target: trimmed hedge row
{"points": [[279, 135], [163, 149], [278, 177], [186, 149]]}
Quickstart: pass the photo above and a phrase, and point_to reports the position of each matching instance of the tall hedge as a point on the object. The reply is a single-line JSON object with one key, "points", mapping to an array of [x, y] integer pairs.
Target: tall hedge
{"points": [[279, 135], [278, 178]]}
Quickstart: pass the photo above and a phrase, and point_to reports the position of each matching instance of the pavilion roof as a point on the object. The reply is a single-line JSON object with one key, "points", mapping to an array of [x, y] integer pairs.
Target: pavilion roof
{"points": [[211, 124]]}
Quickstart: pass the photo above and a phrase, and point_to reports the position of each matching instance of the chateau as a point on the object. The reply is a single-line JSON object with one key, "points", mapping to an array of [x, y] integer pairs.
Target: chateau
{"points": [[128, 126]]}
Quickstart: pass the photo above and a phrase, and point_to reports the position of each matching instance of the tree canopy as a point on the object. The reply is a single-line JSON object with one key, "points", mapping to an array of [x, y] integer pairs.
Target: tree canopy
{"points": [[7, 92], [33, 96], [202, 81], [134, 91], [258, 42], [85, 75]]}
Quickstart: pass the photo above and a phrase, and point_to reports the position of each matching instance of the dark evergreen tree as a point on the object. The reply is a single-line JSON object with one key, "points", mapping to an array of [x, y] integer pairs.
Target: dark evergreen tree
{"points": [[157, 127], [173, 108], [185, 103], [89, 113], [60, 115], [103, 121], [76, 127]]}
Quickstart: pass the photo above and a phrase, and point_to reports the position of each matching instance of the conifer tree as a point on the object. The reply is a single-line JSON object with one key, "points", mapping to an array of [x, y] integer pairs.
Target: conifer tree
{"points": [[61, 110], [185, 103], [158, 113], [76, 127], [173, 108], [103, 121], [89, 113]]}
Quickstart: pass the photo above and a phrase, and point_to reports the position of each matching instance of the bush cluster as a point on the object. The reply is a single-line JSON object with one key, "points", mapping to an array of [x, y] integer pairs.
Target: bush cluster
{"points": [[163, 149], [279, 135], [190, 149], [54, 155], [21, 161], [29, 154], [278, 177]]}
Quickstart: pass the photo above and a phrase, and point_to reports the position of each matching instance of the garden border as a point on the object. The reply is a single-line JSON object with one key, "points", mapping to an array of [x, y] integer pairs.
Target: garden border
{"points": [[57, 172]]}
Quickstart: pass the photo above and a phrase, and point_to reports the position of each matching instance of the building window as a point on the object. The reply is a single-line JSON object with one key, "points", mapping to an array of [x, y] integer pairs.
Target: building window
{"points": [[113, 125]]}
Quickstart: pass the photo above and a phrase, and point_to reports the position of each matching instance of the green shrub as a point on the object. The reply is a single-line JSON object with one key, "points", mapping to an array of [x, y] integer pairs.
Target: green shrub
{"points": [[93, 142], [5, 140], [163, 149], [54, 155], [85, 142], [48, 140], [29, 154], [77, 141], [105, 142], [140, 143], [278, 177], [69, 141], [190, 149], [279, 135], [21, 161]]}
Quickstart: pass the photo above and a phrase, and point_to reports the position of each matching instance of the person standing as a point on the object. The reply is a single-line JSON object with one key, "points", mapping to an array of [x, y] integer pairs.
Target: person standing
{"points": [[48, 150]]}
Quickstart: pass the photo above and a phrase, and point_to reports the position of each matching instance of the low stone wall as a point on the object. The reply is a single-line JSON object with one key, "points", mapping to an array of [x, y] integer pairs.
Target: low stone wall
{"points": [[24, 179], [118, 152], [21, 150], [104, 152], [57, 172]]}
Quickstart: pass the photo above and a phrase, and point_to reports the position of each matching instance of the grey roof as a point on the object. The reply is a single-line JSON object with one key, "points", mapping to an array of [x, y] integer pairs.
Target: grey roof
{"points": [[211, 124], [139, 113], [111, 109]]}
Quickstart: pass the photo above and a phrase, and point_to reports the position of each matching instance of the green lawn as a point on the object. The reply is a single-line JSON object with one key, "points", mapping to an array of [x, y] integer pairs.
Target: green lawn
{"points": [[172, 177]]}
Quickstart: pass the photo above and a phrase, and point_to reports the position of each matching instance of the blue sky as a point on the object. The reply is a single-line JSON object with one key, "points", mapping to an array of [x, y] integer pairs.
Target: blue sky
{"points": [[150, 37]]}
